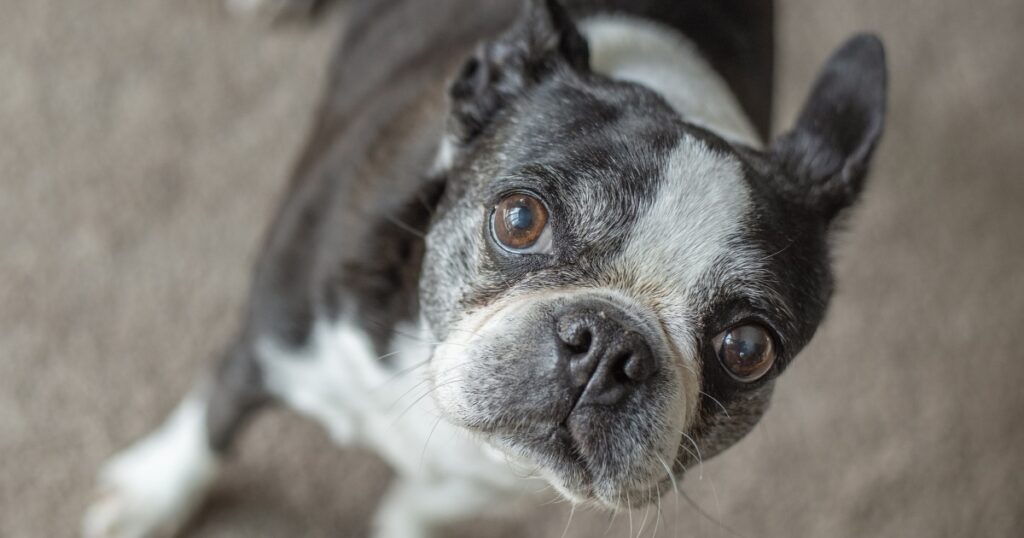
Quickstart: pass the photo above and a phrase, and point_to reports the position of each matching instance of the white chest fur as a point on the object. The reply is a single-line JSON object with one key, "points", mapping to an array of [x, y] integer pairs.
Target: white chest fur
{"points": [[384, 405], [653, 55]]}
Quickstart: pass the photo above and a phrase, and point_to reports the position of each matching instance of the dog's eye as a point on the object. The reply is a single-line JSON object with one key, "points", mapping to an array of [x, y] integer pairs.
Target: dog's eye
{"points": [[746, 351], [520, 223]]}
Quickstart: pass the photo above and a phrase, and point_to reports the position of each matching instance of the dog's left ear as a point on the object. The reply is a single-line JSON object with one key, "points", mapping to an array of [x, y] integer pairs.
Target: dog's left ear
{"points": [[543, 40], [826, 155]]}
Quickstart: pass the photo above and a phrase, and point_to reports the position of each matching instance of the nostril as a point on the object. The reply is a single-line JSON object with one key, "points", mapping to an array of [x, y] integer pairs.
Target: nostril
{"points": [[579, 344], [620, 367], [639, 365], [576, 334]]}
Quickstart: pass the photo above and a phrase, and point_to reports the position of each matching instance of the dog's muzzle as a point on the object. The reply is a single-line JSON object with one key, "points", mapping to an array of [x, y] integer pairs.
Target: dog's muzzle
{"points": [[583, 384]]}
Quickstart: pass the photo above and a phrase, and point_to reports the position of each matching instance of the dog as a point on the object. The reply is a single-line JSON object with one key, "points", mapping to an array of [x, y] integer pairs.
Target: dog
{"points": [[528, 243]]}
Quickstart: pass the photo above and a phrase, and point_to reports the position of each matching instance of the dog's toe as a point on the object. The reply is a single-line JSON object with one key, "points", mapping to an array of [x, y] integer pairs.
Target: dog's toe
{"points": [[115, 515], [121, 511], [129, 505]]}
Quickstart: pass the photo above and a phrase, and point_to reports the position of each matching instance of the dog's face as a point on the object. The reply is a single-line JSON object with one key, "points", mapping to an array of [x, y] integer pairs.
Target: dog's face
{"points": [[615, 289]]}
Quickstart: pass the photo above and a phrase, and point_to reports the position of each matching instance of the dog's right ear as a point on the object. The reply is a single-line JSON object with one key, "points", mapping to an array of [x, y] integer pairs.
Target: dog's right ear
{"points": [[542, 40], [826, 155]]}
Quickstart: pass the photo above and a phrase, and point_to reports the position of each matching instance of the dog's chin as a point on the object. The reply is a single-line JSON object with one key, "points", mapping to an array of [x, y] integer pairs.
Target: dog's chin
{"points": [[555, 457]]}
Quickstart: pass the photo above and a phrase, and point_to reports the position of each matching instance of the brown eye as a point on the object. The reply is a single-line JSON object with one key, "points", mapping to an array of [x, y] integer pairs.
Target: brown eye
{"points": [[746, 351], [519, 223]]}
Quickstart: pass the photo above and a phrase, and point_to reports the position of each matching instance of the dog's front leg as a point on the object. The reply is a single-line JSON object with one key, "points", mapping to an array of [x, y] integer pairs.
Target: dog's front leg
{"points": [[153, 487], [416, 508]]}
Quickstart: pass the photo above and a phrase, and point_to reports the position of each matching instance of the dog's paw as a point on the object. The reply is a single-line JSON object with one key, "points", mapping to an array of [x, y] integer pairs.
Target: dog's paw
{"points": [[154, 487], [273, 10], [120, 513]]}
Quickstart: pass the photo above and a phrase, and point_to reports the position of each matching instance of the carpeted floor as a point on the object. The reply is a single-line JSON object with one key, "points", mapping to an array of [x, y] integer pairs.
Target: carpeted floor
{"points": [[142, 145]]}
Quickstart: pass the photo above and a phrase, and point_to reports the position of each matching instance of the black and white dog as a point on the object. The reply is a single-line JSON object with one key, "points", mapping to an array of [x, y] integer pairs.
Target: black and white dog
{"points": [[556, 226]]}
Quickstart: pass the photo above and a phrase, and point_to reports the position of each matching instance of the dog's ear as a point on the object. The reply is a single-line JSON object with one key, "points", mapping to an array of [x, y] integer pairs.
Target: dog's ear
{"points": [[542, 40], [826, 155]]}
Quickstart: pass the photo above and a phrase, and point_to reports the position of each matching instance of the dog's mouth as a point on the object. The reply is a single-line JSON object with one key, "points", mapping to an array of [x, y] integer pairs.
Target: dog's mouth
{"points": [[601, 477], [553, 455]]}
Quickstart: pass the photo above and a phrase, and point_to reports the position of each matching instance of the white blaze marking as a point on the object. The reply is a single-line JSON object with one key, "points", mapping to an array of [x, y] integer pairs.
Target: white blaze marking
{"points": [[698, 213]]}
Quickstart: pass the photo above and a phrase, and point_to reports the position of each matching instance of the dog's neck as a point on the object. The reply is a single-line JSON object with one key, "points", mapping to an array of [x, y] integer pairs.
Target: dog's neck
{"points": [[662, 59]]}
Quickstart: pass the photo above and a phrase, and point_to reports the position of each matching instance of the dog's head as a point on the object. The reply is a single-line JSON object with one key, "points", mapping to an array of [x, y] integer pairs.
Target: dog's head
{"points": [[615, 288]]}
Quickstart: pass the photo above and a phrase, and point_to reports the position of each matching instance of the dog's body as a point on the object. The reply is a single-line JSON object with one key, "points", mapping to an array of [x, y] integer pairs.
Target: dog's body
{"points": [[646, 121]]}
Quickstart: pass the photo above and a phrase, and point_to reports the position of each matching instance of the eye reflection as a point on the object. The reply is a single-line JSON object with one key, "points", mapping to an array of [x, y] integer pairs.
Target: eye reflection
{"points": [[747, 352], [519, 220]]}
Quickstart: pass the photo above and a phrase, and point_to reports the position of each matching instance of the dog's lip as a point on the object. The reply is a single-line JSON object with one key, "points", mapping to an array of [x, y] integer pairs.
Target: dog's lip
{"points": [[582, 489], [554, 450], [557, 456], [561, 441]]}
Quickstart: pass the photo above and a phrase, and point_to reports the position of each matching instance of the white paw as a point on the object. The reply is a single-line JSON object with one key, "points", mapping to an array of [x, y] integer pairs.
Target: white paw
{"points": [[121, 513], [153, 488], [271, 9]]}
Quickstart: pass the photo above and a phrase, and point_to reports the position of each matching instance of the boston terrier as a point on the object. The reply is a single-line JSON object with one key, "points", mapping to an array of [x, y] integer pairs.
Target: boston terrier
{"points": [[529, 243]]}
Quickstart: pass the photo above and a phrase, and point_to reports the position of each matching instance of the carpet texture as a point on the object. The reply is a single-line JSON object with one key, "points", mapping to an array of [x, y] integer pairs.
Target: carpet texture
{"points": [[143, 145]]}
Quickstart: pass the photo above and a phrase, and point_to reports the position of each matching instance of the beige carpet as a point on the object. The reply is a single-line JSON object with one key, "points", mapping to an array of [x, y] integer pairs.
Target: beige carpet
{"points": [[143, 143]]}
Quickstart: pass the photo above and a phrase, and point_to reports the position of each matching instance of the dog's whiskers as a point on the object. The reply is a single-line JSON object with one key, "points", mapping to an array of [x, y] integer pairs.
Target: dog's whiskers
{"points": [[405, 371], [572, 512], [420, 398], [402, 225], [423, 453], [707, 516], [629, 507], [657, 522], [675, 486], [781, 250], [557, 499], [700, 458], [611, 519], [420, 384], [713, 399], [647, 512]]}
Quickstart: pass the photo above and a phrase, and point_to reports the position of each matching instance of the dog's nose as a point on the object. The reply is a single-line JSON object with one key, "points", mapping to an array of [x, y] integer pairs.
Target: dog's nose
{"points": [[605, 355]]}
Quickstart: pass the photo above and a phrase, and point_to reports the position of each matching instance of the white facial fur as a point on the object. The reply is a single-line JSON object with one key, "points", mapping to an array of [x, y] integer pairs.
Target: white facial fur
{"points": [[692, 228]]}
